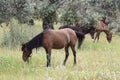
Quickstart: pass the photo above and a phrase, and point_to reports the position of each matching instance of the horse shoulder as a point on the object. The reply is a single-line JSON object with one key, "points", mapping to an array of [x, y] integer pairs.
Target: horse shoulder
{"points": [[99, 25]]}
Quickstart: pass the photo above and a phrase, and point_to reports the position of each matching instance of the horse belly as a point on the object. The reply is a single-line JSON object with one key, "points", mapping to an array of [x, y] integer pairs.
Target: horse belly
{"points": [[54, 43], [58, 45]]}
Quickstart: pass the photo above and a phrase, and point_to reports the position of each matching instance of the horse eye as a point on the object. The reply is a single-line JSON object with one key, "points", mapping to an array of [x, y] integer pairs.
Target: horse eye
{"points": [[24, 51]]}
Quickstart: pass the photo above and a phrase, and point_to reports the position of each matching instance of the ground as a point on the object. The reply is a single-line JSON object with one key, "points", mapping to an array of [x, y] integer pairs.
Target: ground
{"points": [[95, 61]]}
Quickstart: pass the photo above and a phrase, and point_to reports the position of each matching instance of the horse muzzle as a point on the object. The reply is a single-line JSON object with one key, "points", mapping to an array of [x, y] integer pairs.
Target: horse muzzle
{"points": [[26, 59]]}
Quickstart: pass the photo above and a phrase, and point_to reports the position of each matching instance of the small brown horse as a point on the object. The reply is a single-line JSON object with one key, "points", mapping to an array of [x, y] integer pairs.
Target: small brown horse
{"points": [[102, 27], [53, 39], [83, 29]]}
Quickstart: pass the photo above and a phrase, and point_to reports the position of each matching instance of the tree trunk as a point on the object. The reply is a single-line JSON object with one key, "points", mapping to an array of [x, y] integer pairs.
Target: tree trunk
{"points": [[47, 25]]}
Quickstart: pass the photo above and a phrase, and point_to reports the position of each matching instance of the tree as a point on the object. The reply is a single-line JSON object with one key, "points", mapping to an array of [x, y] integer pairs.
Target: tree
{"points": [[21, 10], [70, 17], [5, 11], [48, 10], [48, 15]]}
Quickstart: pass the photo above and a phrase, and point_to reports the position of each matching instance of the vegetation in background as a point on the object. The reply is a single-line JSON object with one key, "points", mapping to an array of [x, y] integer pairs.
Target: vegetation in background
{"points": [[70, 17], [95, 61], [17, 34], [51, 11]]}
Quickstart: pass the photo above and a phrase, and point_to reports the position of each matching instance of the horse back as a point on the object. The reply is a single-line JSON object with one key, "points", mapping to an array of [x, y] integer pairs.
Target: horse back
{"points": [[75, 28], [58, 39]]}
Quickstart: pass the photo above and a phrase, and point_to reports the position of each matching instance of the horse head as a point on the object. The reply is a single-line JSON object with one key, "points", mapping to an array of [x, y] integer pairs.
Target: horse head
{"points": [[109, 37], [26, 53], [92, 32]]}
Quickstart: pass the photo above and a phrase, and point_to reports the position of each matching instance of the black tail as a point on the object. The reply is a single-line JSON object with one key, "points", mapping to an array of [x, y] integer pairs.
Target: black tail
{"points": [[80, 37]]}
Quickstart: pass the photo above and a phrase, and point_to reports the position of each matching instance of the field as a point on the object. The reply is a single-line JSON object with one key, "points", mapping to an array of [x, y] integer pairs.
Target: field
{"points": [[95, 61]]}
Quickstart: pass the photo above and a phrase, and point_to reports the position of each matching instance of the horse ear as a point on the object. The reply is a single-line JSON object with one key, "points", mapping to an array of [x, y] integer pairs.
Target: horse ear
{"points": [[22, 44]]}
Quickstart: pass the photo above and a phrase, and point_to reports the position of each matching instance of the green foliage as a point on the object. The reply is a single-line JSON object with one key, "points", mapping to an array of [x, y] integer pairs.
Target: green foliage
{"points": [[69, 17], [48, 13], [70, 11], [18, 34], [22, 10], [5, 11], [106, 7]]}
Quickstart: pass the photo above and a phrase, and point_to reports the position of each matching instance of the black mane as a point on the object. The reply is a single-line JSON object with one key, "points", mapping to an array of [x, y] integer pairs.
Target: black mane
{"points": [[35, 42], [77, 28], [71, 27]]}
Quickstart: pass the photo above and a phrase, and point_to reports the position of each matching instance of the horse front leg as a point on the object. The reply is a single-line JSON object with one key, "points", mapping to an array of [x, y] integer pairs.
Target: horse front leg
{"points": [[95, 36], [48, 55], [98, 36], [66, 55], [74, 53]]}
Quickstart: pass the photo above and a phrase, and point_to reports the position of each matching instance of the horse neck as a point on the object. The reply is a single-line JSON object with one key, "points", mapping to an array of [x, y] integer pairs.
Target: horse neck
{"points": [[105, 23], [101, 23], [107, 32], [31, 45], [86, 31], [65, 26], [35, 42]]}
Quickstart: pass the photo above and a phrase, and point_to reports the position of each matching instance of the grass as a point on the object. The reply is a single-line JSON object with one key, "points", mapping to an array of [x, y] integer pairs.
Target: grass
{"points": [[95, 61]]}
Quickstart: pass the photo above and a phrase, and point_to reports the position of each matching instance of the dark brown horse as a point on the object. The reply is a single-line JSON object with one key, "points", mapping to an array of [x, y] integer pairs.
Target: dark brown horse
{"points": [[53, 39], [83, 29], [102, 26]]}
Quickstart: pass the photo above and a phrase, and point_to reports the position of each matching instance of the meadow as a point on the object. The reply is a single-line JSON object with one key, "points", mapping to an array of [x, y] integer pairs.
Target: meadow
{"points": [[95, 61]]}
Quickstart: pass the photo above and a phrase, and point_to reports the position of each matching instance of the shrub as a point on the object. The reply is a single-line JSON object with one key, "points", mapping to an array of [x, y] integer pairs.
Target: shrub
{"points": [[18, 34]]}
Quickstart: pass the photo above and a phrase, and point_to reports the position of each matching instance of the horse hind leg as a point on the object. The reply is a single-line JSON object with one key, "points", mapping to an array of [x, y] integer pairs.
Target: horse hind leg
{"points": [[66, 55], [74, 53]]}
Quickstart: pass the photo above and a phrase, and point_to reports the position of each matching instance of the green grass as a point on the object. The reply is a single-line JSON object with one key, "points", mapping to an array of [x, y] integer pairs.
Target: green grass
{"points": [[95, 61]]}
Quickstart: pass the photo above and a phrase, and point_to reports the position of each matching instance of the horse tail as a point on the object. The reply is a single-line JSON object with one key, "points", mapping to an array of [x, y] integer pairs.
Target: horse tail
{"points": [[80, 37]]}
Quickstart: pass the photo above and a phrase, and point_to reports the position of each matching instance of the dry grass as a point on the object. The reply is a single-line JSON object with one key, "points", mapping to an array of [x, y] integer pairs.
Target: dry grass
{"points": [[95, 61]]}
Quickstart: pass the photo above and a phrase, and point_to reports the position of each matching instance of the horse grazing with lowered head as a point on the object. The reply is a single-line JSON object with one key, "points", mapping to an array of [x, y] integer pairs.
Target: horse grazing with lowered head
{"points": [[53, 39], [102, 26], [82, 28]]}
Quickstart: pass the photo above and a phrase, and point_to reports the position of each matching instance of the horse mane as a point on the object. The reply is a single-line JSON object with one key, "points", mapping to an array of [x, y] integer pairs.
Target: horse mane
{"points": [[35, 42], [69, 26], [65, 26], [105, 22]]}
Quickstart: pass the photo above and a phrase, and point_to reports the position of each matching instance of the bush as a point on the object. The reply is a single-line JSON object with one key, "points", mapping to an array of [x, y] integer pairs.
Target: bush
{"points": [[18, 34]]}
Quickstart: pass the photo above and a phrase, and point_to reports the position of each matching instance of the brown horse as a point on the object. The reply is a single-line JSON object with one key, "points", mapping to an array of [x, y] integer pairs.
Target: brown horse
{"points": [[83, 29], [102, 26], [53, 39]]}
